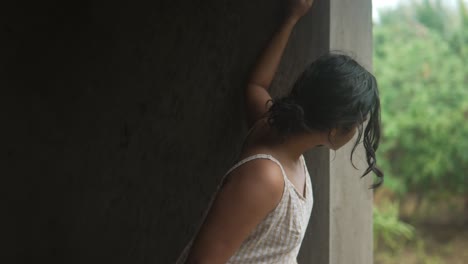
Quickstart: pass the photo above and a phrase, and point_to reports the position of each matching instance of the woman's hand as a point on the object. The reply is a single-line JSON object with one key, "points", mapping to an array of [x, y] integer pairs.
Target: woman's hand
{"points": [[298, 8]]}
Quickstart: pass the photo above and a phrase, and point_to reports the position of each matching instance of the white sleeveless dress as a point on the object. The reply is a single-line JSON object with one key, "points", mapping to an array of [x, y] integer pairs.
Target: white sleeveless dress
{"points": [[278, 237]]}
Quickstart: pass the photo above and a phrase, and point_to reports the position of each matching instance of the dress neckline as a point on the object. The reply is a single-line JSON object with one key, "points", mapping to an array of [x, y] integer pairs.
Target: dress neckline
{"points": [[302, 195]]}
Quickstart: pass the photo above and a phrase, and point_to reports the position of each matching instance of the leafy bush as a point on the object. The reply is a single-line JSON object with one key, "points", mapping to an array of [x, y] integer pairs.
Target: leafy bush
{"points": [[389, 229], [420, 64]]}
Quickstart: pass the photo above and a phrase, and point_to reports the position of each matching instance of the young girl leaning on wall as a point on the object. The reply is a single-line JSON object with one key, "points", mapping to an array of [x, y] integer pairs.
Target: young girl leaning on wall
{"points": [[262, 208]]}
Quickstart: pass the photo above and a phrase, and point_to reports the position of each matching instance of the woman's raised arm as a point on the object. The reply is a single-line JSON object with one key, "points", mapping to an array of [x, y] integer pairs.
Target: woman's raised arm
{"points": [[256, 93]]}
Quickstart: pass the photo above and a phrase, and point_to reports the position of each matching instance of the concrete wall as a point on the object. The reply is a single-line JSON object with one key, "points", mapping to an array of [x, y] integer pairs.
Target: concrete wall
{"points": [[121, 117], [350, 197]]}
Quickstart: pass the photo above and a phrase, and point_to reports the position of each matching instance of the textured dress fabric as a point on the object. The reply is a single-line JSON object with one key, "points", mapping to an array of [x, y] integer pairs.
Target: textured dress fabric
{"points": [[277, 239]]}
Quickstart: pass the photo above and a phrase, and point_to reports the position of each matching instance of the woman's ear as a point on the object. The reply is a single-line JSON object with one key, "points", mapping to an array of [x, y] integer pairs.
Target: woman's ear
{"points": [[331, 137]]}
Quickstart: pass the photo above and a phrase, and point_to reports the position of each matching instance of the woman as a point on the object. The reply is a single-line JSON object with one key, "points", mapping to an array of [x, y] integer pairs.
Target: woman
{"points": [[262, 208]]}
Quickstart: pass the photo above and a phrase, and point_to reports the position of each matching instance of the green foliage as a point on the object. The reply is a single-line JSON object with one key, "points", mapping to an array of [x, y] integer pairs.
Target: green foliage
{"points": [[389, 229], [420, 59], [459, 39], [426, 15]]}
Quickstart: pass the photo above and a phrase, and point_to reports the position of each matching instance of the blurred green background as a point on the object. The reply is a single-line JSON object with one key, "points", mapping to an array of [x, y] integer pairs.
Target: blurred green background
{"points": [[421, 64]]}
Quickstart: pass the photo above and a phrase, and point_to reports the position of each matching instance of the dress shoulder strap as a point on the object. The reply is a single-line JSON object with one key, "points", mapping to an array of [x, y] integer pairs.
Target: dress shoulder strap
{"points": [[256, 156]]}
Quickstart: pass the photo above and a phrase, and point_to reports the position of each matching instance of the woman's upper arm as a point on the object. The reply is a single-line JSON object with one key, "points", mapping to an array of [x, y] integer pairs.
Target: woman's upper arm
{"points": [[256, 98], [250, 193]]}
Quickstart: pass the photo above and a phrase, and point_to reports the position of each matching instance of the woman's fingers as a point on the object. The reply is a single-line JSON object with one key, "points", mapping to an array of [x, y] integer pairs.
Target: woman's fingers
{"points": [[299, 7]]}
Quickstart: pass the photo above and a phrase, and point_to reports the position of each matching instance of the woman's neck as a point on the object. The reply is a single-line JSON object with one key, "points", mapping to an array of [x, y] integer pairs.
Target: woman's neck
{"points": [[293, 146]]}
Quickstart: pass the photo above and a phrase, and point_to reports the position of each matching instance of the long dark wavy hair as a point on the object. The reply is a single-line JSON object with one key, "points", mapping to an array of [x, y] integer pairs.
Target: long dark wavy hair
{"points": [[333, 92]]}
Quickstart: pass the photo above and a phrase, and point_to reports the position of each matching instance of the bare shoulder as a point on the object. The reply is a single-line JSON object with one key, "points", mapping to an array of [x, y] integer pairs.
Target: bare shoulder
{"points": [[260, 177], [251, 192]]}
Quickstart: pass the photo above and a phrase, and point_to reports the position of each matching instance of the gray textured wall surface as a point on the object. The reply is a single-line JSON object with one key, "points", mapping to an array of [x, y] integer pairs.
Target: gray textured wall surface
{"points": [[121, 117], [350, 197]]}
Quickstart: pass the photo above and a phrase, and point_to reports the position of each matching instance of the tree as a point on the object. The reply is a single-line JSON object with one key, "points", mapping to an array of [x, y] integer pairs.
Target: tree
{"points": [[420, 56]]}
